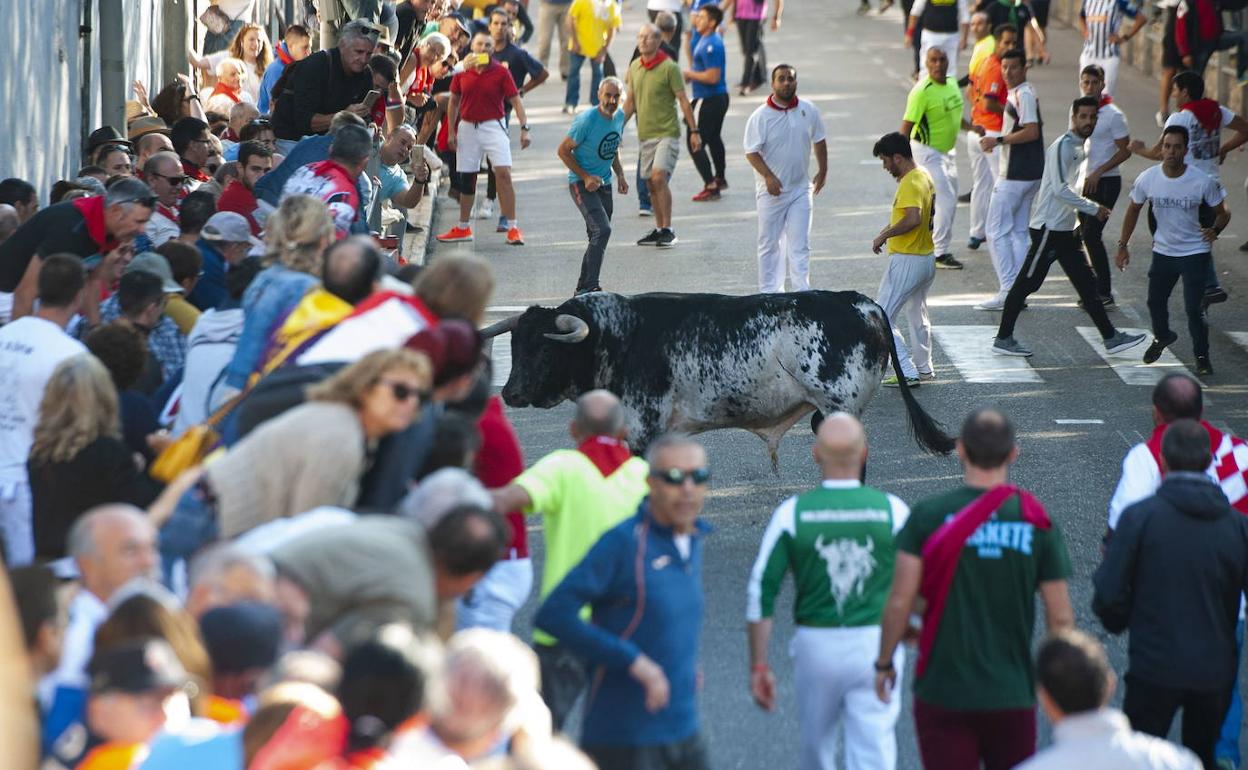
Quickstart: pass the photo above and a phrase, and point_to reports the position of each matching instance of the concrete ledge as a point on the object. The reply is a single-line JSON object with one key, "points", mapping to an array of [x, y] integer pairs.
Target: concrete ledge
{"points": [[416, 245]]}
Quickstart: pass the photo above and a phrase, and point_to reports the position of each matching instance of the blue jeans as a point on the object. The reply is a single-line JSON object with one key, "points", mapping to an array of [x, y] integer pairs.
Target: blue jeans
{"points": [[1228, 742], [192, 526], [643, 191], [574, 79]]}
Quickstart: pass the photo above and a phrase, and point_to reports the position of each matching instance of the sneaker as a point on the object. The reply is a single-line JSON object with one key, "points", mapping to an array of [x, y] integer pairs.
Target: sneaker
{"points": [[502, 226], [567, 108], [1214, 295], [667, 239], [1158, 346], [707, 194], [964, 198], [1008, 346], [1203, 366], [864, 8], [456, 234], [485, 209], [645, 212], [995, 305], [927, 376], [947, 262], [891, 381], [1122, 341], [885, 5], [1108, 301], [974, 243], [515, 237], [721, 184], [650, 238]]}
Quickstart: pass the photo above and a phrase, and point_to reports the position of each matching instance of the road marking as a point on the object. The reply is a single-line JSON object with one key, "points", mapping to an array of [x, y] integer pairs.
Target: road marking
{"points": [[970, 349], [1129, 365], [507, 308], [1079, 422], [500, 355], [1240, 338]]}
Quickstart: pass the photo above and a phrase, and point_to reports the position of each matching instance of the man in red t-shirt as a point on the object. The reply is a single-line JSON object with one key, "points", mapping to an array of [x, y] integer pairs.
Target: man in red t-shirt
{"points": [[254, 161], [477, 131]]}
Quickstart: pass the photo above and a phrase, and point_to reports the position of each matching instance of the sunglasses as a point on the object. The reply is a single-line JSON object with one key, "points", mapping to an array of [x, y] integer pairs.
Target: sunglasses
{"points": [[402, 391], [176, 181], [676, 477]]}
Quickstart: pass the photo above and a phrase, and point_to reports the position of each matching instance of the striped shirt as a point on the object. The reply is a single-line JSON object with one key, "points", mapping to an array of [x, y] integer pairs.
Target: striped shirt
{"points": [[1103, 18]]}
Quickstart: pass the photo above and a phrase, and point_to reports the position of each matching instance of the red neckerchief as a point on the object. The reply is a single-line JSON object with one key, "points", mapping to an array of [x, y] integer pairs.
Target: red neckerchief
{"points": [[772, 103], [606, 453], [194, 171], [658, 59], [283, 55], [943, 549], [1227, 468], [92, 211], [1105, 99], [229, 135], [1207, 111], [222, 88], [167, 213]]}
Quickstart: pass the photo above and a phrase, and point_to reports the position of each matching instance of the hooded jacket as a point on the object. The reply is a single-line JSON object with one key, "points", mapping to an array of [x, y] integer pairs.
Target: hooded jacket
{"points": [[1172, 576]]}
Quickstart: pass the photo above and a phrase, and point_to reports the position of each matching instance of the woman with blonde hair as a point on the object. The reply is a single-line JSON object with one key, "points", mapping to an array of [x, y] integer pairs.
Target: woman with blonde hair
{"points": [[78, 459], [310, 456], [250, 47], [296, 237]]}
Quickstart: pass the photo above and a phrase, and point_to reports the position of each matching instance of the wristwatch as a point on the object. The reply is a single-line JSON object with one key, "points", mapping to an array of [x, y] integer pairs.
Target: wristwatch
{"points": [[525, 127], [1001, 140]]}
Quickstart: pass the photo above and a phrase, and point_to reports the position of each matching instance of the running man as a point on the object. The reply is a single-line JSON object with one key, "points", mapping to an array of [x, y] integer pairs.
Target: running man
{"points": [[591, 151], [1053, 237], [840, 529], [911, 267], [778, 139], [1101, 180], [987, 94], [1181, 243]]}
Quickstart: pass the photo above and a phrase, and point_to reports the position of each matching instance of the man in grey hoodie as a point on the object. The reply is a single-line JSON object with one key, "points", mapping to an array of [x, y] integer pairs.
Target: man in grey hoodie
{"points": [[1173, 575]]}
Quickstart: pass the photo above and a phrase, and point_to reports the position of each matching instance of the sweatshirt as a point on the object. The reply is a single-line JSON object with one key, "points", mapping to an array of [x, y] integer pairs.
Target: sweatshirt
{"points": [[1172, 575], [1057, 203]]}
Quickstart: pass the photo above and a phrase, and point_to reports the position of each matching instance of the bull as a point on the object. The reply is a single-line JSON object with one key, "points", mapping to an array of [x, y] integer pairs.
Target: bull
{"points": [[697, 362]]}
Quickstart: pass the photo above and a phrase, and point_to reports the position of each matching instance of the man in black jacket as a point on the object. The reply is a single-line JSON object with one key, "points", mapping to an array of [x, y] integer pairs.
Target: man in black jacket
{"points": [[311, 91], [1173, 575]]}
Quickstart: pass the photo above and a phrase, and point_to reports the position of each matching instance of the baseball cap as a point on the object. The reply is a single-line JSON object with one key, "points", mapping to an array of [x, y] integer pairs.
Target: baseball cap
{"points": [[151, 262], [228, 227], [242, 636], [453, 346], [144, 125], [136, 667]]}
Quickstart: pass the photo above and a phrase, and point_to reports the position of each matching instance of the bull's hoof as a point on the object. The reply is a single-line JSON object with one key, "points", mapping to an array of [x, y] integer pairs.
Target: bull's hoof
{"points": [[816, 420]]}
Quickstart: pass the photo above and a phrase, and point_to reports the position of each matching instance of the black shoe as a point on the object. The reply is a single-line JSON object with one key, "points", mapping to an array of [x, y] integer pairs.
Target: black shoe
{"points": [[1203, 367], [947, 262], [666, 239], [974, 243], [650, 239], [1158, 347], [1214, 295], [964, 198]]}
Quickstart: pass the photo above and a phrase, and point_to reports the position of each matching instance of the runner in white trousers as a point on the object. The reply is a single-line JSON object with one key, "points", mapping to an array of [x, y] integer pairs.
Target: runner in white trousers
{"points": [[943, 24], [778, 140], [987, 95]]}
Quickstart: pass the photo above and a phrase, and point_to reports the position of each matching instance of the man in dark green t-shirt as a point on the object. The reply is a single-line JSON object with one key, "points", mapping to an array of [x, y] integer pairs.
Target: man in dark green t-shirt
{"points": [[974, 696]]}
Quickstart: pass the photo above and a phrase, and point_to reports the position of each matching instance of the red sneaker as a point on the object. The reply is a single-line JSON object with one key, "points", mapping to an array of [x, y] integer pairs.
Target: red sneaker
{"points": [[456, 234], [515, 237], [707, 194]]}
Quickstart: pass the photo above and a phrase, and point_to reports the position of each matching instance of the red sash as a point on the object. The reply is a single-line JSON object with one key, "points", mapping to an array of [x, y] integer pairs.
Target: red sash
{"points": [[943, 549], [92, 210], [606, 453], [1227, 451]]}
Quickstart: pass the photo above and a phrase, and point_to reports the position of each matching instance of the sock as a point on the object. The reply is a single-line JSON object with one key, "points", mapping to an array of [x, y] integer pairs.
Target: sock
{"points": [[511, 222], [463, 225]]}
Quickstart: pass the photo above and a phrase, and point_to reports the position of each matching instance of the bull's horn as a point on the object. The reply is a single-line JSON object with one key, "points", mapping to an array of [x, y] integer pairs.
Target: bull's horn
{"points": [[500, 327], [574, 329]]}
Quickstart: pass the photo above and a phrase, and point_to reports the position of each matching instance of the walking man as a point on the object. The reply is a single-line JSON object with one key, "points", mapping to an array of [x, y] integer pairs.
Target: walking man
{"points": [[477, 132], [1020, 167], [778, 139], [1100, 22], [710, 100], [977, 555], [988, 93], [1053, 238], [655, 87], [1101, 181], [943, 24], [842, 529], [1182, 245], [643, 582], [911, 267], [932, 120], [591, 151]]}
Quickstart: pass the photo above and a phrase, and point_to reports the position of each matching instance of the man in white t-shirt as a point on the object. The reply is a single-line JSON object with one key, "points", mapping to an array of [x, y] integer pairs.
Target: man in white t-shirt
{"points": [[1100, 179], [778, 139], [1181, 242], [30, 349]]}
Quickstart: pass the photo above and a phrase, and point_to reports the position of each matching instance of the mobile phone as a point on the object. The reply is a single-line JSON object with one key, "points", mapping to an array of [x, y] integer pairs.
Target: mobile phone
{"points": [[483, 58], [371, 99]]}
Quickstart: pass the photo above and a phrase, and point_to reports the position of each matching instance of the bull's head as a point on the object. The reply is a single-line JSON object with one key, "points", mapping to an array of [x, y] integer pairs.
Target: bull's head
{"points": [[550, 355]]}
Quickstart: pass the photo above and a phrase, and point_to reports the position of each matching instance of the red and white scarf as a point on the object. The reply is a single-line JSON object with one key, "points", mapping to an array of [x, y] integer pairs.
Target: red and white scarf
{"points": [[1230, 462]]}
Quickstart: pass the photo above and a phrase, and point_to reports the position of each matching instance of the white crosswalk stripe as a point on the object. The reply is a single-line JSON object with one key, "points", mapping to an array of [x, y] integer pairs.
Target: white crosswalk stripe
{"points": [[1240, 338], [1129, 365], [500, 355], [970, 350]]}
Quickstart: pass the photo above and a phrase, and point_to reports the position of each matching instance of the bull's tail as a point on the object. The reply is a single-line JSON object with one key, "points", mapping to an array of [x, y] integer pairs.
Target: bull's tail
{"points": [[929, 433]]}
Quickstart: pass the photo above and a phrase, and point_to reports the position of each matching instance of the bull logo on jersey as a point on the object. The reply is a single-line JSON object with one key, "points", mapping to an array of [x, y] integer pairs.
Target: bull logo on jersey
{"points": [[849, 564]]}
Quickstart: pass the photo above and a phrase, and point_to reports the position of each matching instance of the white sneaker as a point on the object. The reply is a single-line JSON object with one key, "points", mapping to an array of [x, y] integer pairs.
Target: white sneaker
{"points": [[996, 304], [476, 209], [484, 209]]}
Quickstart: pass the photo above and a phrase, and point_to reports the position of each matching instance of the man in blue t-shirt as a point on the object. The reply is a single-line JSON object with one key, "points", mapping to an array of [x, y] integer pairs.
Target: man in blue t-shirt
{"points": [[591, 151], [710, 99]]}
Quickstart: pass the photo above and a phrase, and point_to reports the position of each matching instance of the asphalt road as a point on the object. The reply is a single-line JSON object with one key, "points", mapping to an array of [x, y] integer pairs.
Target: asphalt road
{"points": [[1076, 415]]}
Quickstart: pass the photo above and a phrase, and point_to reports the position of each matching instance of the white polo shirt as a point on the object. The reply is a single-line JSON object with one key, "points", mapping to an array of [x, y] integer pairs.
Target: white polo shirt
{"points": [[784, 137]]}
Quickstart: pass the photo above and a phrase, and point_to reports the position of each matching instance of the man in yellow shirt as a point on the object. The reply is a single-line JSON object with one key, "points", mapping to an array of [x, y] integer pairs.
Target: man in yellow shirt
{"points": [[911, 262], [591, 28], [985, 43]]}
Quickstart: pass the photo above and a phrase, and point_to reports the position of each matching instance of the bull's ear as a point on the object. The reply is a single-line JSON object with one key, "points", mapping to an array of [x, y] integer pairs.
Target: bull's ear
{"points": [[572, 328]]}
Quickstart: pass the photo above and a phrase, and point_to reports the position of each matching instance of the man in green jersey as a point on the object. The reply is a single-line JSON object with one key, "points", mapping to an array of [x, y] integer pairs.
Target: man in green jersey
{"points": [[932, 120], [837, 540], [581, 493], [977, 555]]}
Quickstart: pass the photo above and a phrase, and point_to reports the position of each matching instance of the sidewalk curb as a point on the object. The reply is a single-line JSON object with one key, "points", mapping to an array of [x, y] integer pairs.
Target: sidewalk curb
{"points": [[416, 245]]}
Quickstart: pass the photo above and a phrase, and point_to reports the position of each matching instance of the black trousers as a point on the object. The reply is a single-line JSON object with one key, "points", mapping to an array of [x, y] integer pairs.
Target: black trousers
{"points": [[709, 112], [563, 678], [1047, 247], [1163, 274], [1151, 709], [754, 55], [689, 754], [1092, 229]]}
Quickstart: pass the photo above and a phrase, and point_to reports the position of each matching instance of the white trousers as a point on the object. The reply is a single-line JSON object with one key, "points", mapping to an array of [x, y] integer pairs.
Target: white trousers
{"points": [[1008, 237], [983, 177], [15, 512], [784, 240], [943, 167], [497, 596], [945, 41], [905, 284], [1107, 63], [835, 676]]}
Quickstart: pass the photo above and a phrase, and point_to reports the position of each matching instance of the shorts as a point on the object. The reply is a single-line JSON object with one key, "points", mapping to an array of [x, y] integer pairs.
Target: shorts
{"points": [[478, 141], [1170, 58], [660, 153]]}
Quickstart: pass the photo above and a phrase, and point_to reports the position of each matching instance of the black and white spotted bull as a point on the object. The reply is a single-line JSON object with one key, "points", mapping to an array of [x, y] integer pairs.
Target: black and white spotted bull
{"points": [[697, 362]]}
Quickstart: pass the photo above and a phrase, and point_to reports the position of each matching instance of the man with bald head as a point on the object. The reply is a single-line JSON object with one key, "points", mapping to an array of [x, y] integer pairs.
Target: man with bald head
{"points": [[163, 173], [581, 493], [837, 539], [150, 144]]}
